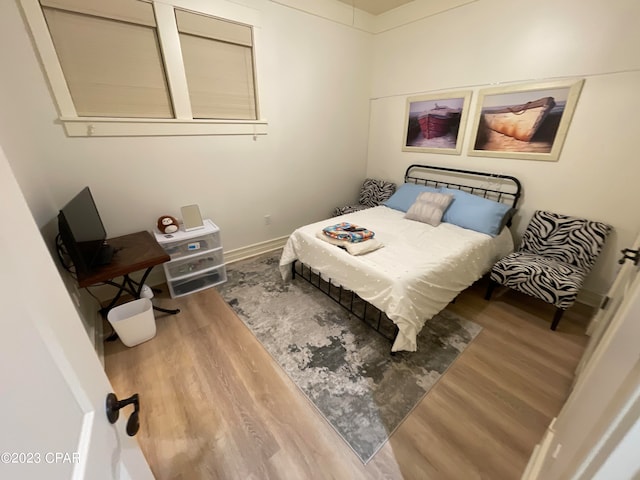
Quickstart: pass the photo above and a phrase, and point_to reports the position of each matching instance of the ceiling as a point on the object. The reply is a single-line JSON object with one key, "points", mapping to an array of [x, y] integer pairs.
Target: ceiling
{"points": [[375, 7]]}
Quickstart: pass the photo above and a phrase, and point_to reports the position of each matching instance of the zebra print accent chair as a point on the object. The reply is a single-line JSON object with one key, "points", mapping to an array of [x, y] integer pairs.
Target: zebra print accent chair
{"points": [[373, 193], [556, 255]]}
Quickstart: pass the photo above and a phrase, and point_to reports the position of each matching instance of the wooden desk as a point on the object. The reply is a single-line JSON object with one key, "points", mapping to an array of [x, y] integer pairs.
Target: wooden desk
{"points": [[133, 252]]}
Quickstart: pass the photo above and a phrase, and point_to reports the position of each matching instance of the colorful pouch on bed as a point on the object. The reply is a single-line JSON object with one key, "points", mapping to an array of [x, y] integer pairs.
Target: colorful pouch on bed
{"points": [[348, 232]]}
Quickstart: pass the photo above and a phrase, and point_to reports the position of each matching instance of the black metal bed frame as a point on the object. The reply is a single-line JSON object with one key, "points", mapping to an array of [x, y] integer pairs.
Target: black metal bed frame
{"points": [[363, 310], [495, 193]]}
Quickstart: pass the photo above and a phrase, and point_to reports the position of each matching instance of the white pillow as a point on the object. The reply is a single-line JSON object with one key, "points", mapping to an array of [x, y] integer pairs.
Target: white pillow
{"points": [[429, 207]]}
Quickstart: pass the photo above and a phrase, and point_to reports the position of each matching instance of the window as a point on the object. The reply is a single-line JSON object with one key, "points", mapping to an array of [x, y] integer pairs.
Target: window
{"points": [[143, 67], [110, 58], [218, 63]]}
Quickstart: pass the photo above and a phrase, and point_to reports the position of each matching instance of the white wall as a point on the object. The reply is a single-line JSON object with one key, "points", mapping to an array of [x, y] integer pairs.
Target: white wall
{"points": [[320, 81], [312, 74], [492, 42]]}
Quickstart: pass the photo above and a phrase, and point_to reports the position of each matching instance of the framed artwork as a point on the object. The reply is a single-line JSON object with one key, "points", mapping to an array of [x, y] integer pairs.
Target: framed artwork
{"points": [[436, 123], [524, 121]]}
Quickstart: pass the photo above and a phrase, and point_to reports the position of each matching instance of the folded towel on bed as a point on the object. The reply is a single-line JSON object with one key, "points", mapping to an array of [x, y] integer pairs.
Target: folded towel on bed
{"points": [[358, 248], [348, 232]]}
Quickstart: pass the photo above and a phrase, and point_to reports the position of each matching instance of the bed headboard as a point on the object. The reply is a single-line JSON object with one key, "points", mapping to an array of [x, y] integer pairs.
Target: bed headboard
{"points": [[493, 186]]}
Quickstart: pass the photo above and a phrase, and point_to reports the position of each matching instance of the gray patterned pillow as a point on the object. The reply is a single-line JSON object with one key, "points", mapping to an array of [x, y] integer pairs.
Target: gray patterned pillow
{"points": [[429, 207], [375, 192]]}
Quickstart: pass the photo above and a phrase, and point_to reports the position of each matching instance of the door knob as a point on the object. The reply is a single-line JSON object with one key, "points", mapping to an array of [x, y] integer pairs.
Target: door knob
{"points": [[113, 411], [629, 254]]}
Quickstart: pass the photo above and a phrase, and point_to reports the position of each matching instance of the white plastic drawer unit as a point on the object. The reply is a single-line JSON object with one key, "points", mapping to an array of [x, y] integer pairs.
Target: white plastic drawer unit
{"points": [[187, 266], [197, 261], [189, 246], [199, 281]]}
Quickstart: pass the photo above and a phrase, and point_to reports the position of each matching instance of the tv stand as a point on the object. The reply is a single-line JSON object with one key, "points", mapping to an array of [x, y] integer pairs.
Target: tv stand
{"points": [[130, 253]]}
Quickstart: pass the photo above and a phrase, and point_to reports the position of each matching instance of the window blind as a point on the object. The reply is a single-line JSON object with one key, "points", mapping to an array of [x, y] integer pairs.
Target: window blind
{"points": [[218, 62], [134, 11], [110, 56]]}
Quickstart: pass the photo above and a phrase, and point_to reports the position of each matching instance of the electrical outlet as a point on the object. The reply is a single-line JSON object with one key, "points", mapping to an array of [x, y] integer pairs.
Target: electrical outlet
{"points": [[267, 219]]}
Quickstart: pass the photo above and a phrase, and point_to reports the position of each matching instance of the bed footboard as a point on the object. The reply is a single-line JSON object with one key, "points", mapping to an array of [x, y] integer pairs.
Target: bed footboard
{"points": [[370, 315]]}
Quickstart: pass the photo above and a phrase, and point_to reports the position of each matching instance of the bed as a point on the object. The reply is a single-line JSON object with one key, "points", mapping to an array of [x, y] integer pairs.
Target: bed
{"points": [[420, 268]]}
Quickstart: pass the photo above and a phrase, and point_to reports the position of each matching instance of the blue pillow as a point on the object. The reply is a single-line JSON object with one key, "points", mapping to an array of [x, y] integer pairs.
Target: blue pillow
{"points": [[475, 213], [406, 195]]}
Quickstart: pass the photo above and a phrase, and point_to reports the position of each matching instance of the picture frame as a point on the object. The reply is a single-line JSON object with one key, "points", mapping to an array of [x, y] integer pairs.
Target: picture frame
{"points": [[527, 121], [435, 123]]}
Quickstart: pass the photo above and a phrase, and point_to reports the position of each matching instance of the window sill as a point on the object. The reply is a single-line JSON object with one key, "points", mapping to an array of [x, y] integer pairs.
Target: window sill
{"points": [[135, 127]]}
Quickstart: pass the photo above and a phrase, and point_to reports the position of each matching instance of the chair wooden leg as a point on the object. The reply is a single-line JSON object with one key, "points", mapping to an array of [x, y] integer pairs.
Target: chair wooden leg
{"points": [[490, 288], [556, 318]]}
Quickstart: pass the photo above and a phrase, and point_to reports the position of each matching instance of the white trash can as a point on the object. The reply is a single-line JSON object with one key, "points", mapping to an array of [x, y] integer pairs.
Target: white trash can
{"points": [[134, 321]]}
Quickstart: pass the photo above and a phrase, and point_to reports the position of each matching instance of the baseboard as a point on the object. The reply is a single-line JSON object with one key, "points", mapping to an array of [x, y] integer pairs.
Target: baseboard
{"points": [[539, 455], [590, 298], [255, 249]]}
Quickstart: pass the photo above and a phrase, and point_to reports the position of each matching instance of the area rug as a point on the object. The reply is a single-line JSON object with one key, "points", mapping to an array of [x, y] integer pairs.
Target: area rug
{"points": [[343, 366]]}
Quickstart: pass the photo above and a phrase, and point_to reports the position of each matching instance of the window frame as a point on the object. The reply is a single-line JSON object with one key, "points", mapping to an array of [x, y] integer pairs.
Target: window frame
{"points": [[183, 122]]}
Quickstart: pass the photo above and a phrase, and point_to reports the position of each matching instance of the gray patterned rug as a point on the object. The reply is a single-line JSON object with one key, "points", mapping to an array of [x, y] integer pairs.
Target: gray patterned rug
{"points": [[339, 363]]}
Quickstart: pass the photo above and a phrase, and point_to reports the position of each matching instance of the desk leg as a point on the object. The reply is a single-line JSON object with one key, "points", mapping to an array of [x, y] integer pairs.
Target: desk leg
{"points": [[159, 309], [134, 289], [121, 288], [105, 310]]}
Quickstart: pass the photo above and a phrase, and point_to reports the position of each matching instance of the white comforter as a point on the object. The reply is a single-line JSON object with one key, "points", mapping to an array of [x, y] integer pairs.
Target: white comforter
{"points": [[414, 276]]}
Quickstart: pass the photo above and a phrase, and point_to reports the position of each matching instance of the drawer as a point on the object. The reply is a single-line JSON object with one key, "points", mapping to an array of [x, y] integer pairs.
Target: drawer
{"points": [[182, 248], [194, 283], [193, 264]]}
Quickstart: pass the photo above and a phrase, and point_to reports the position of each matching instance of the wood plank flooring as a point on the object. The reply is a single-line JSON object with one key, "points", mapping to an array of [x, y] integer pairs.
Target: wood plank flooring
{"points": [[214, 405]]}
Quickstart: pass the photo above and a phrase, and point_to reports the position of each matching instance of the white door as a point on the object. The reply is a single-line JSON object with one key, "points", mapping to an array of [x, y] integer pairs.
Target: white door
{"points": [[600, 417], [614, 298], [52, 385]]}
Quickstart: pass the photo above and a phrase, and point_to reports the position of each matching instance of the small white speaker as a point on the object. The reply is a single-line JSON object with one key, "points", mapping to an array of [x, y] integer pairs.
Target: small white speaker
{"points": [[146, 292]]}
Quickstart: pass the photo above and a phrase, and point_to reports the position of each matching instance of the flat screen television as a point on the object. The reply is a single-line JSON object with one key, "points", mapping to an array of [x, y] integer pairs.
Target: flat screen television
{"points": [[82, 233]]}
